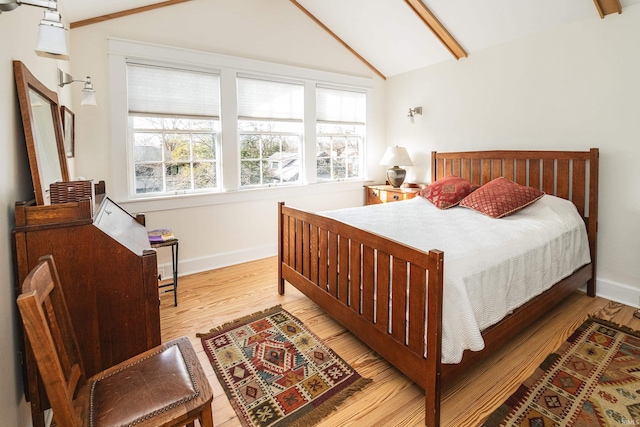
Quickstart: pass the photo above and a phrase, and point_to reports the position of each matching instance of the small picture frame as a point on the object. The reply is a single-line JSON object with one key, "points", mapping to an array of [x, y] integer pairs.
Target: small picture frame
{"points": [[68, 130]]}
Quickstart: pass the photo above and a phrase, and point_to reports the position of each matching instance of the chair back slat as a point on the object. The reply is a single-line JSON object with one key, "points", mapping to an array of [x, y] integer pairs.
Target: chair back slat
{"points": [[52, 339]]}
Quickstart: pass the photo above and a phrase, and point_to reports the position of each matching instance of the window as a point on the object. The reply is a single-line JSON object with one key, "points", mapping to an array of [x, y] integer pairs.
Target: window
{"points": [[173, 126], [270, 124], [190, 122], [340, 133]]}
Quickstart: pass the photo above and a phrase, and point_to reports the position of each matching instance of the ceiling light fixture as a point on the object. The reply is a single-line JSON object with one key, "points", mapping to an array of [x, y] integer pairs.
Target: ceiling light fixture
{"points": [[88, 92], [52, 36]]}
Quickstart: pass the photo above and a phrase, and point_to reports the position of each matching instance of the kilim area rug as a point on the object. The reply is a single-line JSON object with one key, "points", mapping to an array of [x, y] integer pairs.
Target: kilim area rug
{"points": [[592, 380], [276, 372]]}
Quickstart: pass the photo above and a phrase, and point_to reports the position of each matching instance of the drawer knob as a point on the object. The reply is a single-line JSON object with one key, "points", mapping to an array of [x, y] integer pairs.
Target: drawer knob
{"points": [[375, 193], [395, 197]]}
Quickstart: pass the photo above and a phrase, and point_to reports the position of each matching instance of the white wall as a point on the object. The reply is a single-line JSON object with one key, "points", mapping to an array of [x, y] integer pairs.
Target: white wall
{"points": [[18, 32], [571, 88], [220, 233]]}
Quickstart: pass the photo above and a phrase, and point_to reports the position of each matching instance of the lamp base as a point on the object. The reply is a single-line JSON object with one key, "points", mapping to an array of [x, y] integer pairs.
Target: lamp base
{"points": [[396, 175]]}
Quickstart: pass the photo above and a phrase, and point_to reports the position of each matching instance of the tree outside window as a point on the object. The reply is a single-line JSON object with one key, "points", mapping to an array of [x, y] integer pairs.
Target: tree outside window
{"points": [[269, 153], [174, 154]]}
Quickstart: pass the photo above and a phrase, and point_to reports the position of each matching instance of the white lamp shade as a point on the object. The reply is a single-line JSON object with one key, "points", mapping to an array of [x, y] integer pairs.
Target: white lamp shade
{"points": [[52, 42], [396, 156], [89, 98]]}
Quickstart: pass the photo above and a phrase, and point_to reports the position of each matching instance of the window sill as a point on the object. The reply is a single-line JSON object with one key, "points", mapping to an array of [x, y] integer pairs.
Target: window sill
{"points": [[183, 201]]}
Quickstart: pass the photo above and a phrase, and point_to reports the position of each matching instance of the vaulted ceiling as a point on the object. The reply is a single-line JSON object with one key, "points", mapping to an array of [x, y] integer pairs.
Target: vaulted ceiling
{"points": [[395, 36]]}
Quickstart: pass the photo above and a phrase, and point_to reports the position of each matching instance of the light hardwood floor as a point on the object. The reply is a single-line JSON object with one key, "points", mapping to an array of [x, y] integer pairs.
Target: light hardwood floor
{"points": [[209, 299]]}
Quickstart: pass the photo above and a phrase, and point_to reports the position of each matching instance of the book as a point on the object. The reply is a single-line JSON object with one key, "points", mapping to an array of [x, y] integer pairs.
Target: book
{"points": [[161, 235]]}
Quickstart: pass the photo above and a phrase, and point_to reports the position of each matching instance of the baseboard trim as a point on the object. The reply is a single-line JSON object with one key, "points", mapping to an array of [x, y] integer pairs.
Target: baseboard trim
{"points": [[618, 292], [197, 265]]}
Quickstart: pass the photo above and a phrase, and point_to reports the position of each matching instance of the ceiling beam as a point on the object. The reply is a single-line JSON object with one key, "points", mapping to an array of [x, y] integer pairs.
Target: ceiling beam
{"points": [[124, 13], [605, 7], [437, 28], [332, 34]]}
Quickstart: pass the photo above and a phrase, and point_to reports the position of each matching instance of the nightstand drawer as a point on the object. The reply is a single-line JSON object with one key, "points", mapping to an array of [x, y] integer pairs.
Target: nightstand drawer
{"points": [[385, 194]]}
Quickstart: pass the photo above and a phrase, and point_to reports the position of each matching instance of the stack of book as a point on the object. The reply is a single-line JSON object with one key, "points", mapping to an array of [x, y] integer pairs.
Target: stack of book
{"points": [[161, 235]]}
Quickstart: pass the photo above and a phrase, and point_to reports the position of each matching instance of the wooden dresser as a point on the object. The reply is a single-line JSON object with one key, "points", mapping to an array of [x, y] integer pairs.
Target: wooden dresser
{"points": [[109, 275], [375, 194]]}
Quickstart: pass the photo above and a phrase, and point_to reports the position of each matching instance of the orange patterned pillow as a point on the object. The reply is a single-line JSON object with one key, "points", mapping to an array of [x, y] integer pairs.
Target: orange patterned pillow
{"points": [[447, 192], [500, 198]]}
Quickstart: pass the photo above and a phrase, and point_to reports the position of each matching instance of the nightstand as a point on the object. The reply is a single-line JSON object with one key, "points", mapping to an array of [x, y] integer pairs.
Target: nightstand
{"points": [[386, 193]]}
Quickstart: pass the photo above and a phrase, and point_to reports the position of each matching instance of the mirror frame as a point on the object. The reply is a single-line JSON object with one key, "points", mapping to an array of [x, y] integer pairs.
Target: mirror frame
{"points": [[24, 82]]}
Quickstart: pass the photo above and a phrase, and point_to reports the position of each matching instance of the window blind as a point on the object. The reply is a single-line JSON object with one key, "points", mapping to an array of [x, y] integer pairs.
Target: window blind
{"points": [[340, 106], [170, 91], [269, 100]]}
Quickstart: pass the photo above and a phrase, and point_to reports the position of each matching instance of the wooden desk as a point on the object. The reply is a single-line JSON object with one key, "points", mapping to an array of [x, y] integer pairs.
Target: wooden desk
{"points": [[109, 275]]}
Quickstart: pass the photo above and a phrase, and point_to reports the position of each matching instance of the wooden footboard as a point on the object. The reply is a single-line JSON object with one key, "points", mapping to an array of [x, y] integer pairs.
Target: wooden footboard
{"points": [[377, 288]]}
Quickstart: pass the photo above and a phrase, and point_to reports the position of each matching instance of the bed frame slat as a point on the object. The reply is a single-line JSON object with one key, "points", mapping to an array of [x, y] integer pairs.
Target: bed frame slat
{"points": [[417, 293], [496, 168], [292, 242], [398, 299], [466, 169], [521, 171], [313, 253], [324, 258], [368, 283], [332, 283], [306, 253], [343, 272], [355, 277], [298, 246], [562, 178], [508, 170], [577, 185], [548, 176], [534, 174], [383, 295], [486, 172], [284, 232], [475, 171], [440, 168]]}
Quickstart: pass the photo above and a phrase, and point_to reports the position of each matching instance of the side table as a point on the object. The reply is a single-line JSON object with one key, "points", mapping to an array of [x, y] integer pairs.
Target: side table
{"points": [[161, 239]]}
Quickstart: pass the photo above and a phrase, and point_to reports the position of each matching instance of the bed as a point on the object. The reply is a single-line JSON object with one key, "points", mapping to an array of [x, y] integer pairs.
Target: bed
{"points": [[390, 293]]}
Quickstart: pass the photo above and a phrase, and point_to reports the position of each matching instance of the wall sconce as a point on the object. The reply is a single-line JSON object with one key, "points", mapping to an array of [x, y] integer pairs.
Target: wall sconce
{"points": [[52, 36], [88, 93], [414, 111]]}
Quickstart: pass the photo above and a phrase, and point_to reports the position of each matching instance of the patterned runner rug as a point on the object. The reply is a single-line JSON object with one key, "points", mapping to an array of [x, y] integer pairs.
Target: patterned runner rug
{"points": [[278, 373], [593, 379]]}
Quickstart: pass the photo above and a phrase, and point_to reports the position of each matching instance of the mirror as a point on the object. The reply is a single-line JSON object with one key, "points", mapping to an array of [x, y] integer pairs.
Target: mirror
{"points": [[42, 132]]}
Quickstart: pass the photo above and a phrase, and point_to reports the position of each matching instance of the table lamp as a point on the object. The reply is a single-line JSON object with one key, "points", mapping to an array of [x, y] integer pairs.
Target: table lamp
{"points": [[396, 156]]}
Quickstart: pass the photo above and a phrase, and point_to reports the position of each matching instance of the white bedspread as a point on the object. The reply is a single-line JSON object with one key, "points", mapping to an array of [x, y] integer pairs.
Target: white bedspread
{"points": [[491, 266]]}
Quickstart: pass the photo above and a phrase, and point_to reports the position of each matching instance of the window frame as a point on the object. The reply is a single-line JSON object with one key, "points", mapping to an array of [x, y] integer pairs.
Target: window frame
{"points": [[292, 116], [228, 68], [336, 121]]}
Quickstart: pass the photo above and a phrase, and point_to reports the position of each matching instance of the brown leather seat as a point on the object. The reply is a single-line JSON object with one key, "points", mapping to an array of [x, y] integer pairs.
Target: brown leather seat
{"points": [[164, 386]]}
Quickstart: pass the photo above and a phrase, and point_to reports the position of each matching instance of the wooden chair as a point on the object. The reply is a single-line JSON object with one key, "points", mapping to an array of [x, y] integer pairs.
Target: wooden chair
{"points": [[164, 386]]}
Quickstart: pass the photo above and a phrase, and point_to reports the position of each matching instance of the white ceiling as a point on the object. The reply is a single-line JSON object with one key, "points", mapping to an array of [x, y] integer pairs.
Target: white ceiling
{"points": [[391, 37]]}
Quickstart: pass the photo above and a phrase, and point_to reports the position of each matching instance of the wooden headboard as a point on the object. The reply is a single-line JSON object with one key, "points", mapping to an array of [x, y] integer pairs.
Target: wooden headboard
{"points": [[571, 175]]}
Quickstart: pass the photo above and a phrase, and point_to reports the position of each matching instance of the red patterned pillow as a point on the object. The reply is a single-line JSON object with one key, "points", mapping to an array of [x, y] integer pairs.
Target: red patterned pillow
{"points": [[500, 198], [447, 192]]}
